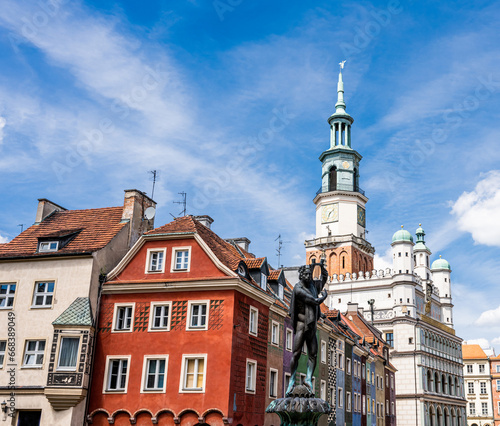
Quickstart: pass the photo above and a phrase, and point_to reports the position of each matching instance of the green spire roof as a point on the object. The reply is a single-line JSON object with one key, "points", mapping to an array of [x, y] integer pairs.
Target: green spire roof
{"points": [[340, 105], [402, 236], [440, 264], [78, 313], [420, 244]]}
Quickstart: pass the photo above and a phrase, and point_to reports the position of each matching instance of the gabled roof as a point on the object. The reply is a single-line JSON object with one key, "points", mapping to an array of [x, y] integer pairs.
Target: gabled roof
{"points": [[93, 229], [274, 274], [473, 352], [255, 263], [79, 313]]}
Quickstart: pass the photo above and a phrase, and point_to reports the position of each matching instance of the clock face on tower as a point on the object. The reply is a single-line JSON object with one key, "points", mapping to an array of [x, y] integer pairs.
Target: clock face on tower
{"points": [[330, 213], [361, 217]]}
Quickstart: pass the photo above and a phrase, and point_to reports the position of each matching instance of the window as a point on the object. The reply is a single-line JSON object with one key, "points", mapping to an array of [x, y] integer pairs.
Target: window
{"points": [[482, 388], [289, 340], [410, 340], [348, 401], [363, 404], [348, 365], [332, 396], [156, 261], [7, 293], [275, 333], [273, 383], [3, 347], [160, 317], [117, 374], [392, 409], [340, 364], [469, 368], [498, 407], [154, 373], [44, 291], [252, 322], [340, 399], [287, 382], [472, 408], [332, 358], [48, 246], [180, 259], [68, 353], [197, 315], [280, 292], [389, 338], [481, 368], [323, 352], [193, 373], [470, 387], [498, 368], [251, 375], [33, 354], [123, 317], [29, 417], [363, 370], [263, 281], [387, 406], [484, 408], [322, 391], [498, 385]]}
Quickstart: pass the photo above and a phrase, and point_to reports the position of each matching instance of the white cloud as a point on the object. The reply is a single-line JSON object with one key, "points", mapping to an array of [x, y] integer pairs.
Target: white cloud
{"points": [[481, 342], [3, 239], [2, 125], [489, 318], [477, 212], [383, 261]]}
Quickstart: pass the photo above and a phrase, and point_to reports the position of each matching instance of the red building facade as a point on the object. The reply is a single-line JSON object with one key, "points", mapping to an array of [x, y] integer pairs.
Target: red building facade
{"points": [[182, 334]]}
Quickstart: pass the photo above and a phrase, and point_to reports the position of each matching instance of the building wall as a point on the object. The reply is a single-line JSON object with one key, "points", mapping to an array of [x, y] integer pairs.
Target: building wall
{"points": [[481, 392], [495, 388]]}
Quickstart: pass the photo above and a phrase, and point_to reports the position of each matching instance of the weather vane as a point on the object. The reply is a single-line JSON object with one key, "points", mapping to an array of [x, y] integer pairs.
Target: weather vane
{"points": [[342, 64]]}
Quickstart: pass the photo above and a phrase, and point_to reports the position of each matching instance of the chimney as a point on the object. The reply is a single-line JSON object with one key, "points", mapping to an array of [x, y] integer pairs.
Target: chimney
{"points": [[204, 220], [134, 207], [352, 307], [45, 208], [241, 242]]}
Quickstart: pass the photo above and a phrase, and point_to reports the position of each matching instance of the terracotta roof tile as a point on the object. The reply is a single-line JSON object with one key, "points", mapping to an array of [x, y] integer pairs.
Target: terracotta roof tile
{"points": [[274, 274], [94, 229], [473, 352], [255, 263]]}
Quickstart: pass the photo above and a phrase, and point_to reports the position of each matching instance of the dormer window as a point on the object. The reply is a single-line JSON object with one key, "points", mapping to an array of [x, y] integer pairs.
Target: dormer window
{"points": [[280, 292], [263, 281], [47, 246]]}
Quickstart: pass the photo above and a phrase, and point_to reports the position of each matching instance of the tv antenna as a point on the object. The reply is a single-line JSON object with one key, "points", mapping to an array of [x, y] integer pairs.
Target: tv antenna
{"points": [[280, 249], [183, 202], [155, 176]]}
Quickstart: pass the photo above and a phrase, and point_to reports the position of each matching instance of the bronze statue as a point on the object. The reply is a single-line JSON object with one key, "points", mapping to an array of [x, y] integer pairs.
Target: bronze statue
{"points": [[307, 296]]}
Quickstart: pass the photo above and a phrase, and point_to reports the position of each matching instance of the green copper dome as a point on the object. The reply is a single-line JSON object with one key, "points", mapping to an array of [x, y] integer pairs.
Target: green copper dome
{"points": [[440, 264], [402, 235], [420, 244]]}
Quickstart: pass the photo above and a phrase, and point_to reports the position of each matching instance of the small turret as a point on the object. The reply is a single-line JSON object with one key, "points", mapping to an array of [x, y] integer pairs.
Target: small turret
{"points": [[402, 252], [441, 272], [421, 255]]}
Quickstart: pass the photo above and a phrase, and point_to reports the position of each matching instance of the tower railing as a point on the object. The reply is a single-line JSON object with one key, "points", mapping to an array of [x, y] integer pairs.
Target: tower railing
{"points": [[341, 187]]}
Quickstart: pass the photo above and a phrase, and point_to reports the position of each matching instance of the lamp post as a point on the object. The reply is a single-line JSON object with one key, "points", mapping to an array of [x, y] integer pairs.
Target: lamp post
{"points": [[371, 302]]}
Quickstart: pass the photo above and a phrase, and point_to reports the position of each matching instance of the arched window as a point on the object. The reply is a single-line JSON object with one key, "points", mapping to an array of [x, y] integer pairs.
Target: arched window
{"points": [[443, 384], [451, 386], [437, 384], [355, 180], [429, 381], [332, 179], [343, 262]]}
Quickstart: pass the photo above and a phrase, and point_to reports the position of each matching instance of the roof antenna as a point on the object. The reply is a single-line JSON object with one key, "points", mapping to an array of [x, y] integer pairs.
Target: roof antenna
{"points": [[155, 176], [279, 249], [183, 202], [22, 226]]}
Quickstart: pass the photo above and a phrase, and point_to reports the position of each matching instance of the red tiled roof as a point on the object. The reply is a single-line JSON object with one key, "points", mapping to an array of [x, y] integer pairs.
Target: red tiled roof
{"points": [[94, 228], [255, 263], [274, 274], [473, 352]]}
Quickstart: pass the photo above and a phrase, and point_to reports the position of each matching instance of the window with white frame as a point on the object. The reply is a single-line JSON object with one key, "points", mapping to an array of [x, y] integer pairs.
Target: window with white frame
{"points": [[348, 365], [3, 347], [481, 368], [43, 294], [348, 401], [322, 391], [263, 281], [47, 246], [198, 319], [289, 340], [469, 368], [193, 373], [68, 353], [287, 381], [482, 388], [498, 368], [340, 363], [123, 317], [253, 321], [180, 259], [387, 406], [393, 411], [498, 385], [273, 383], [7, 293], [470, 387], [332, 396], [484, 408], [323, 352], [33, 353], [155, 373], [363, 404], [275, 333], [160, 316], [156, 260], [340, 398], [117, 374], [280, 292], [251, 376], [472, 408]]}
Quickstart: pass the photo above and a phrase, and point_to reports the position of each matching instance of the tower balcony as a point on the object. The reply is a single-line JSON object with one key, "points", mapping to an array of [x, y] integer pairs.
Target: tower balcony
{"points": [[340, 187]]}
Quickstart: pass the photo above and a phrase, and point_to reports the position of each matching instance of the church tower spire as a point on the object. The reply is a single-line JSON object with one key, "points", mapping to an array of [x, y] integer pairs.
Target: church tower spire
{"points": [[340, 202]]}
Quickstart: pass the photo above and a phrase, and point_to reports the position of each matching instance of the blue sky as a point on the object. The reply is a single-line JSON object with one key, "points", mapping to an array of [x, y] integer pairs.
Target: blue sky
{"points": [[229, 101]]}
